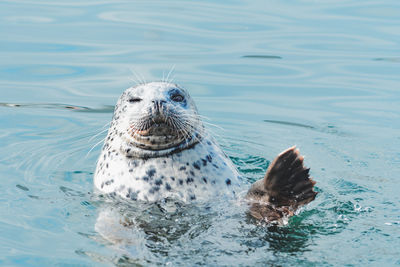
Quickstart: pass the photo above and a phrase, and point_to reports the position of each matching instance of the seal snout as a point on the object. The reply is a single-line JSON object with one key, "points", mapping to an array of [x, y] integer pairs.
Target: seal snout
{"points": [[161, 115], [158, 106]]}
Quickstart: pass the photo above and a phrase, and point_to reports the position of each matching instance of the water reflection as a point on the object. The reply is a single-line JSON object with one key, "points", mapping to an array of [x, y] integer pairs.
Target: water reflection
{"points": [[104, 109]]}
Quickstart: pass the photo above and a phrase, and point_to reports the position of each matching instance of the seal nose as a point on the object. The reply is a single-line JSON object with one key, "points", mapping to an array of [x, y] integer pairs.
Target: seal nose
{"points": [[158, 105]]}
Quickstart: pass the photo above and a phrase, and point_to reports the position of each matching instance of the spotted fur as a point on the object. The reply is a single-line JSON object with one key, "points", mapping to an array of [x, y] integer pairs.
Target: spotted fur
{"points": [[157, 148]]}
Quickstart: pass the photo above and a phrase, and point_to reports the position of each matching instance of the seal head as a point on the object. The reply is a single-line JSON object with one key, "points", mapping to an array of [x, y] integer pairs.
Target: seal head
{"points": [[156, 119]]}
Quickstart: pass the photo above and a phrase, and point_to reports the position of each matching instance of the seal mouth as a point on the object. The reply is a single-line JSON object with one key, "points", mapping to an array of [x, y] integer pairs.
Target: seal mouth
{"points": [[158, 128], [158, 133], [157, 142]]}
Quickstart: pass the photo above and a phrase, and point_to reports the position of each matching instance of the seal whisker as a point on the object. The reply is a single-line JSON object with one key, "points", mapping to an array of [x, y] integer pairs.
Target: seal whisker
{"points": [[94, 136], [101, 141], [169, 73], [140, 78], [134, 80], [213, 125], [177, 125], [188, 128]]}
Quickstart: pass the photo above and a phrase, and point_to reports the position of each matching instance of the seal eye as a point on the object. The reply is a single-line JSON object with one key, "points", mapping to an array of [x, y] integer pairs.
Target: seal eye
{"points": [[134, 100], [177, 98]]}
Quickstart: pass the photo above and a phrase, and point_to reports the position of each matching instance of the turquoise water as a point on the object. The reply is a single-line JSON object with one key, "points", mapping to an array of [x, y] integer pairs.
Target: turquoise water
{"points": [[323, 75]]}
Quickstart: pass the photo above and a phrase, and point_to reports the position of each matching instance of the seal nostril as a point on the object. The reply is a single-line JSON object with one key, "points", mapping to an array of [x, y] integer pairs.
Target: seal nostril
{"points": [[158, 104]]}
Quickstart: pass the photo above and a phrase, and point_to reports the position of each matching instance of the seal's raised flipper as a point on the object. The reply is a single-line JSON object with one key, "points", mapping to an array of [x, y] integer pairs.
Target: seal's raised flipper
{"points": [[285, 187]]}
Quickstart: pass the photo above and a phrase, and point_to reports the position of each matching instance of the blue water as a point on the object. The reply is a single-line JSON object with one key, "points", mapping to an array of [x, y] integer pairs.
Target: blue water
{"points": [[322, 75]]}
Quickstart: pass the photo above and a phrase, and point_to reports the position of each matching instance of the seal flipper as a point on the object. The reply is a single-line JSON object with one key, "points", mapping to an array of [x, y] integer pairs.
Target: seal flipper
{"points": [[285, 187]]}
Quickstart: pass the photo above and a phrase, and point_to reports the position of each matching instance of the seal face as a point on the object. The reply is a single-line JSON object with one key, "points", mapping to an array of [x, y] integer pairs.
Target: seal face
{"points": [[157, 148]]}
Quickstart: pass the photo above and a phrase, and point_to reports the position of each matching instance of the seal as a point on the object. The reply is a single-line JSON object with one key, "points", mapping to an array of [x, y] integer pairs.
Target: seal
{"points": [[157, 148]]}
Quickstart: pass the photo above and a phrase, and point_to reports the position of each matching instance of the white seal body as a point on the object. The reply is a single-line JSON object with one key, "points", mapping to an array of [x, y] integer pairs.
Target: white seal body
{"points": [[157, 148], [196, 173]]}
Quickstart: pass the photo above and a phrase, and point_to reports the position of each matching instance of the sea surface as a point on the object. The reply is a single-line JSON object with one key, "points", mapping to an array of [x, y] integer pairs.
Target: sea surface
{"points": [[322, 75]]}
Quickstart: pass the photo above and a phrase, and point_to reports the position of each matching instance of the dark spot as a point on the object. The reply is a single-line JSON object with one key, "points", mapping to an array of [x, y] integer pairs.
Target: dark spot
{"points": [[130, 170], [128, 150], [196, 165], [182, 168], [151, 172], [172, 178], [107, 166], [180, 181], [228, 181], [216, 166], [109, 182], [191, 173], [204, 162], [213, 182], [187, 163], [167, 186], [133, 163], [104, 156], [164, 161], [154, 189], [209, 158], [189, 180], [102, 185], [192, 197], [131, 194], [205, 179], [159, 182], [209, 143], [145, 178]]}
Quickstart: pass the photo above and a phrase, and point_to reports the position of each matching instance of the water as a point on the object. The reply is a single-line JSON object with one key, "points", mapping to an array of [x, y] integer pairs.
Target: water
{"points": [[324, 75]]}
